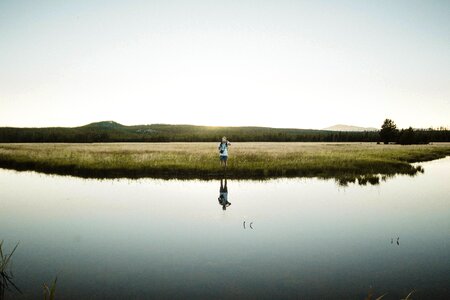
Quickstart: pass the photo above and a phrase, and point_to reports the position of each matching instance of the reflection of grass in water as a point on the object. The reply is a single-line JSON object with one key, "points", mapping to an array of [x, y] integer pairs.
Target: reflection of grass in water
{"points": [[409, 296], [346, 162], [370, 296], [6, 276], [49, 292]]}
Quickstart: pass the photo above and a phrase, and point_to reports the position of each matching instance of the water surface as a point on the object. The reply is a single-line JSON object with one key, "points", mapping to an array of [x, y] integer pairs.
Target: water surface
{"points": [[310, 238]]}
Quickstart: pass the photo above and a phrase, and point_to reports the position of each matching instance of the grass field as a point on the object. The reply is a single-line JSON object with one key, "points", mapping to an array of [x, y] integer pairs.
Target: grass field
{"points": [[200, 160]]}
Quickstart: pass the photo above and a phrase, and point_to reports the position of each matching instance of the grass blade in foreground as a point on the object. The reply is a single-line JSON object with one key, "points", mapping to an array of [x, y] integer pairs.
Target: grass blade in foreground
{"points": [[6, 277], [49, 292]]}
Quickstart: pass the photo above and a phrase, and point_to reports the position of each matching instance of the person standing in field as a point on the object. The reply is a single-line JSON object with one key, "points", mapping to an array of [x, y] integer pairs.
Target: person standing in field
{"points": [[223, 151]]}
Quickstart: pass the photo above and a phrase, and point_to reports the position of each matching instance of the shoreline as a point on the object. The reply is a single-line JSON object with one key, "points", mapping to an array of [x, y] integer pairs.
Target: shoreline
{"points": [[342, 161]]}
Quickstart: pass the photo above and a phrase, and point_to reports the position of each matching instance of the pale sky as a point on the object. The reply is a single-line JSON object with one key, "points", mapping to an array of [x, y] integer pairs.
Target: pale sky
{"points": [[300, 64]]}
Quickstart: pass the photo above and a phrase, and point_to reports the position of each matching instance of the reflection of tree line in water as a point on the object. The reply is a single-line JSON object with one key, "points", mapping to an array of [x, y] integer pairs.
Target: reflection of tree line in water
{"points": [[344, 180], [373, 179]]}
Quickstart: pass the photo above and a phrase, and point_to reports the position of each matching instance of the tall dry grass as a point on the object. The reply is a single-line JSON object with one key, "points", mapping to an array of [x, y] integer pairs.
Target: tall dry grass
{"points": [[200, 160]]}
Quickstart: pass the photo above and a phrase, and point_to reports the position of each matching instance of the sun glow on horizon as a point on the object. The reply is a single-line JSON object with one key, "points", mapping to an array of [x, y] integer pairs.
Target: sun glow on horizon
{"points": [[271, 63]]}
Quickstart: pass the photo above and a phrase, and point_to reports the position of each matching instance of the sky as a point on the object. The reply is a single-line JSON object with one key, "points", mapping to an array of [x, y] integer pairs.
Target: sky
{"points": [[295, 64]]}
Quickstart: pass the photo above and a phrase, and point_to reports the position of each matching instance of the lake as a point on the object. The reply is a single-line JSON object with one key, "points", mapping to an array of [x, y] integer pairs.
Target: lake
{"points": [[282, 238]]}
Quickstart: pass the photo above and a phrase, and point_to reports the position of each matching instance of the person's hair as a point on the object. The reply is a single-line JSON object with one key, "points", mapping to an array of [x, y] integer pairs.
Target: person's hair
{"points": [[224, 139]]}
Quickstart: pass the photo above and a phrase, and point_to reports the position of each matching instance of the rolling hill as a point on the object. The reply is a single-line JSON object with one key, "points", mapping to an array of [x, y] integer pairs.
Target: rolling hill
{"points": [[341, 127], [110, 131]]}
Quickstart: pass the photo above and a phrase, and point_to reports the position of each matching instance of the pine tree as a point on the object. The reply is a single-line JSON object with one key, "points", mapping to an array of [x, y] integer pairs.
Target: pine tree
{"points": [[388, 132]]}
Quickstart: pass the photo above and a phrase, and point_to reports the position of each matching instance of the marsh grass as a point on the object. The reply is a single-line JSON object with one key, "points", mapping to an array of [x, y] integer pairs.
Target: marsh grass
{"points": [[408, 297], [361, 162], [6, 275], [370, 296], [50, 292]]}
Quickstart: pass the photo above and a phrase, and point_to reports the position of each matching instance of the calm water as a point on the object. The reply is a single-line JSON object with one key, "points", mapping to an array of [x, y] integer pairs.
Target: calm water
{"points": [[310, 238]]}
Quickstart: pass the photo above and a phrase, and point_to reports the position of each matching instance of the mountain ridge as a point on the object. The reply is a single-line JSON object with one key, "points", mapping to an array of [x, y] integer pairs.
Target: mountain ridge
{"points": [[113, 132]]}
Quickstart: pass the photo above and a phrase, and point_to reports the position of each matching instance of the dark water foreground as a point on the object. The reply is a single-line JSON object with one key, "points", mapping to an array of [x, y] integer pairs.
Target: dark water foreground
{"points": [[302, 238]]}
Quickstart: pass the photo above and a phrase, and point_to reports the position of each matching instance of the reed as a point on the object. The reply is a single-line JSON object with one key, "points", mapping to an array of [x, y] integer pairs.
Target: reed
{"points": [[370, 296], [50, 292], [6, 275]]}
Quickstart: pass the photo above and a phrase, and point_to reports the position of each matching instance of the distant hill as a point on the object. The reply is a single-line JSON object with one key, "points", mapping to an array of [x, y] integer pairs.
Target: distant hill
{"points": [[110, 131], [104, 124], [341, 127]]}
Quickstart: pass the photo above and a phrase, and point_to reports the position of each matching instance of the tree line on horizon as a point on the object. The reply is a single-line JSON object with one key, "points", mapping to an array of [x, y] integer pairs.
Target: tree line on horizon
{"points": [[114, 132], [409, 136]]}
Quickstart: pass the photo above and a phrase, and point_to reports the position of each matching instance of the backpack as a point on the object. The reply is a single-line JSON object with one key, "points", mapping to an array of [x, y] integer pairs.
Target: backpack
{"points": [[221, 148]]}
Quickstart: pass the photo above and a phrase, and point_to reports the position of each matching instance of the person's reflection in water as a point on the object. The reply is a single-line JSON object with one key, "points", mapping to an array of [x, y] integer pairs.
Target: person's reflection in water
{"points": [[223, 196]]}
